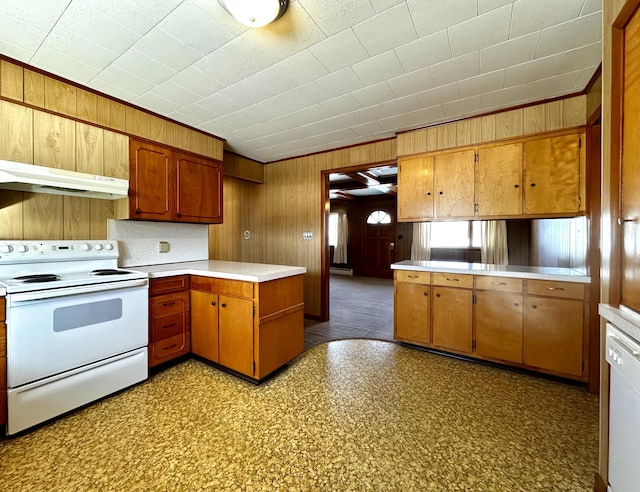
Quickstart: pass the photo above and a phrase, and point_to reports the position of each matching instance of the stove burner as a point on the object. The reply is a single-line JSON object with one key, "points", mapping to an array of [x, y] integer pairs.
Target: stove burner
{"points": [[38, 277], [108, 271]]}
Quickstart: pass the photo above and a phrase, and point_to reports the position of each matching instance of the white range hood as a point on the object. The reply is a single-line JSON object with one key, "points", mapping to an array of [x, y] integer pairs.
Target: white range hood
{"points": [[38, 179]]}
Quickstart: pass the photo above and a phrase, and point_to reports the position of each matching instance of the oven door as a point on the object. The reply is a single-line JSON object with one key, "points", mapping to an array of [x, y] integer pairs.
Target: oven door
{"points": [[52, 331]]}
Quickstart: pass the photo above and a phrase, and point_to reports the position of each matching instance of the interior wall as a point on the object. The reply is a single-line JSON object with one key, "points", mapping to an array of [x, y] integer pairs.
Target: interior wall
{"points": [[559, 243]]}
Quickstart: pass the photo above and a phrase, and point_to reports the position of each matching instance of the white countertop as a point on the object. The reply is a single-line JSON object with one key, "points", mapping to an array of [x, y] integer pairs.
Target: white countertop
{"points": [[3, 291], [517, 271], [625, 320], [232, 270]]}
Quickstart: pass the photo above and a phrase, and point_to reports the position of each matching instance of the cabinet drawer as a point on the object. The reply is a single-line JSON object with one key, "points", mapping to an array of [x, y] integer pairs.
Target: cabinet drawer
{"points": [[169, 304], [169, 326], [413, 276], [233, 288], [453, 280], [171, 347], [165, 285], [501, 284], [555, 289]]}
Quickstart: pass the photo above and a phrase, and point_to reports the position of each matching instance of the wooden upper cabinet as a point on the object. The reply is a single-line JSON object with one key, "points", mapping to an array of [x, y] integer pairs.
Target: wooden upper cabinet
{"points": [[498, 180], [199, 189], [151, 186], [552, 175], [454, 188], [415, 188], [170, 185]]}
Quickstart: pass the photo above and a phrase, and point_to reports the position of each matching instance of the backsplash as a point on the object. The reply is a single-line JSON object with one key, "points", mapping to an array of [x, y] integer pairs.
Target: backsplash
{"points": [[139, 242]]}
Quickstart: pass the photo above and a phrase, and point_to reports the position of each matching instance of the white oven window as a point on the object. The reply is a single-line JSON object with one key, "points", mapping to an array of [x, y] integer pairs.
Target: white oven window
{"points": [[89, 313]]}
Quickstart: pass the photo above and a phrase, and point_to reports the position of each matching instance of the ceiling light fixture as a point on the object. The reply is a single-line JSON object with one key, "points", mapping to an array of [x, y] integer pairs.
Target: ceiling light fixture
{"points": [[255, 13]]}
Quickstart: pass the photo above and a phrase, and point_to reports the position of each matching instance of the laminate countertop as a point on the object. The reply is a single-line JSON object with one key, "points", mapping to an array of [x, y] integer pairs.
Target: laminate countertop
{"points": [[232, 270], [514, 271]]}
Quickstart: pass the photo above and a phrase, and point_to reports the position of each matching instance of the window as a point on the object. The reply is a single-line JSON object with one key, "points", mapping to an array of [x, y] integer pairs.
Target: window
{"points": [[333, 229], [456, 234], [379, 217]]}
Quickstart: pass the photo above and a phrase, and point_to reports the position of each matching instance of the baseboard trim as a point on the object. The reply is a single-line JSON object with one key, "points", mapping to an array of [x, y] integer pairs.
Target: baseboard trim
{"points": [[341, 271]]}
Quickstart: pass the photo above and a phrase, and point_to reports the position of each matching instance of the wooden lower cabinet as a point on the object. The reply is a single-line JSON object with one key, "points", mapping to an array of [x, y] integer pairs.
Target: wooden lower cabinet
{"points": [[412, 313], [252, 328], [498, 318], [169, 319], [452, 318]]}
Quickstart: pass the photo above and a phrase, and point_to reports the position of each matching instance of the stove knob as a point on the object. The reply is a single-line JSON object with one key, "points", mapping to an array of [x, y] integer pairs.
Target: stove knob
{"points": [[85, 247], [6, 248], [108, 246], [21, 248], [98, 247]]}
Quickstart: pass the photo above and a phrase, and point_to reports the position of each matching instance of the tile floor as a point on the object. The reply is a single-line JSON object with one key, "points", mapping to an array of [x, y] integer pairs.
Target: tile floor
{"points": [[346, 415]]}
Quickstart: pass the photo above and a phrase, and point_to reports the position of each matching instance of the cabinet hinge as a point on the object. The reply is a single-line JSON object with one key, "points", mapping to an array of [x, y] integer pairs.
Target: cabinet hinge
{"points": [[473, 345], [254, 311], [475, 156], [475, 300], [579, 202]]}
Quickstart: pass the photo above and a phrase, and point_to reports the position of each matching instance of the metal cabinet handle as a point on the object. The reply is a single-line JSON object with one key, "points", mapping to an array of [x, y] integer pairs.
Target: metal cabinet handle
{"points": [[516, 186], [622, 221], [532, 185], [498, 283], [170, 346], [169, 326], [453, 279], [223, 305], [213, 303], [168, 303], [413, 276], [555, 288], [138, 211]]}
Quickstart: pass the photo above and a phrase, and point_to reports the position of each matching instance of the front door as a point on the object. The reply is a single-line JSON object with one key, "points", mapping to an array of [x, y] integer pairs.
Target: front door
{"points": [[379, 242]]}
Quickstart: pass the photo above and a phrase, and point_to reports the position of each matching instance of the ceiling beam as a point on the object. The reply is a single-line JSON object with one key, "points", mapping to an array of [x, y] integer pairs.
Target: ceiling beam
{"points": [[364, 177]]}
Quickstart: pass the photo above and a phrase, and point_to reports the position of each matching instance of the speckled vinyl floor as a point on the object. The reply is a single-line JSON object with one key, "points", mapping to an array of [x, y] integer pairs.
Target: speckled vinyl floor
{"points": [[346, 415]]}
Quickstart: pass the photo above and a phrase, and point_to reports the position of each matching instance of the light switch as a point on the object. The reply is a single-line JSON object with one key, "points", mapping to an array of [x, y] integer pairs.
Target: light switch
{"points": [[307, 236], [164, 247]]}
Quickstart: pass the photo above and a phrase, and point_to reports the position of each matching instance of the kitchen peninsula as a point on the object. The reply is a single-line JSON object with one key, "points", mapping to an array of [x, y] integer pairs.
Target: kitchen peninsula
{"points": [[244, 317], [529, 317]]}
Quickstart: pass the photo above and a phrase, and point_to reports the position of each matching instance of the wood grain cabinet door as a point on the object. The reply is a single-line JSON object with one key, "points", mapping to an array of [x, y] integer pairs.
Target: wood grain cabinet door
{"points": [[552, 335], [552, 175], [452, 318], [454, 187], [204, 325], [151, 188], [235, 325], [412, 313], [415, 189], [199, 189], [498, 180], [498, 318]]}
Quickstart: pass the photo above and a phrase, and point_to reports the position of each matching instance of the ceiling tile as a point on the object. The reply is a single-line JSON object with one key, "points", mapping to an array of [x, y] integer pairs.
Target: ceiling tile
{"points": [[590, 55], [139, 64], [221, 17], [374, 94], [339, 51], [56, 62], [166, 49], [411, 83], [256, 114], [512, 52], [75, 46], [533, 70], [411, 120], [145, 14], [487, 82], [425, 51], [591, 6], [462, 67], [367, 128], [114, 91], [386, 30], [488, 5], [378, 68], [339, 16], [462, 107], [157, 104], [14, 51], [546, 88], [439, 95], [430, 17], [195, 80], [381, 5], [219, 104], [41, 16], [535, 15], [194, 28], [503, 97], [402, 105], [176, 93], [22, 36], [126, 81], [338, 83], [369, 114], [573, 34], [480, 32], [301, 97], [338, 105]]}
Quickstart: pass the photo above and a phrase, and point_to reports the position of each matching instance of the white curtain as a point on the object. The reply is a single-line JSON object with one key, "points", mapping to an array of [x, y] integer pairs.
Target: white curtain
{"points": [[493, 247], [340, 252], [421, 244]]}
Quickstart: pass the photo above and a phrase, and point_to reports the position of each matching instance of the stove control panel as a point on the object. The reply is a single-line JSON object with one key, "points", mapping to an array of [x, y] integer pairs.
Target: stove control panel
{"points": [[23, 251]]}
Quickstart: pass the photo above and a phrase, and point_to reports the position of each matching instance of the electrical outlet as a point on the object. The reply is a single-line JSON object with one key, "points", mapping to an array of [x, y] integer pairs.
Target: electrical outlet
{"points": [[307, 236], [163, 247]]}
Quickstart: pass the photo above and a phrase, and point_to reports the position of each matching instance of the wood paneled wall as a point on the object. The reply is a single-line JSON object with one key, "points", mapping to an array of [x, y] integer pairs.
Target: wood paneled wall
{"points": [[289, 203], [72, 128]]}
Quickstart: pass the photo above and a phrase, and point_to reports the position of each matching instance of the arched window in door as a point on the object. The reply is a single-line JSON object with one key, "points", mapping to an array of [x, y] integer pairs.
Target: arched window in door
{"points": [[379, 217]]}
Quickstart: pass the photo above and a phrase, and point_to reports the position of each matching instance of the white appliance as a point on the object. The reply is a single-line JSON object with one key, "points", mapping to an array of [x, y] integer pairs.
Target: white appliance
{"points": [[623, 355], [76, 326], [39, 179]]}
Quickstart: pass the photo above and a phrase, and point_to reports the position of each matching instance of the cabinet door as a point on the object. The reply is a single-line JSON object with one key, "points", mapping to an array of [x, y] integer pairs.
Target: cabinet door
{"points": [[415, 189], [199, 189], [235, 327], [499, 325], [453, 178], [499, 180], [152, 190], [552, 333], [452, 318], [552, 175], [204, 325], [412, 313]]}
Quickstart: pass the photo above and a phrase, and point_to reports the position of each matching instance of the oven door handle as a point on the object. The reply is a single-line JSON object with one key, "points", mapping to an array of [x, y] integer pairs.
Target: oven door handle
{"points": [[74, 291]]}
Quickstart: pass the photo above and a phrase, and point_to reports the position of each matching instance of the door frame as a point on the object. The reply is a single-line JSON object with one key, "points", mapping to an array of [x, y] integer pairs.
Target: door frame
{"points": [[325, 208]]}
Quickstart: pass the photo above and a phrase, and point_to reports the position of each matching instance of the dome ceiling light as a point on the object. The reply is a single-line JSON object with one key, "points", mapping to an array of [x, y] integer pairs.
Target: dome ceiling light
{"points": [[255, 13]]}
